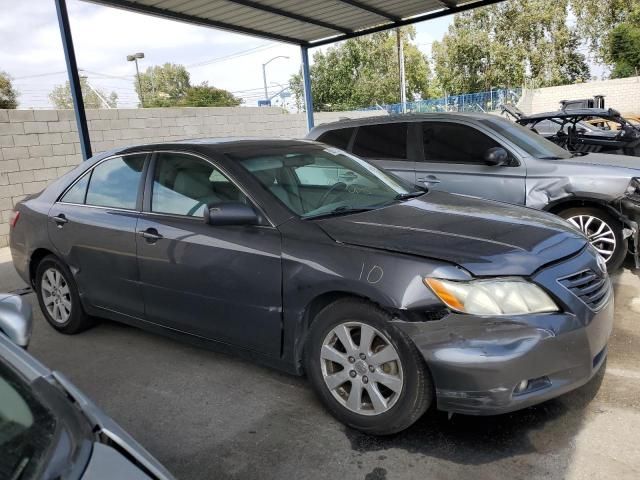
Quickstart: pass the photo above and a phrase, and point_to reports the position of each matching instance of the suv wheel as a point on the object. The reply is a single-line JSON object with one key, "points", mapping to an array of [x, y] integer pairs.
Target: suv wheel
{"points": [[367, 372], [58, 297], [603, 231]]}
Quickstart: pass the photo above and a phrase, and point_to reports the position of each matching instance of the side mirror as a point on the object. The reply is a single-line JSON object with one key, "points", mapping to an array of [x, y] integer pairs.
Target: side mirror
{"points": [[496, 157], [16, 319], [232, 213]]}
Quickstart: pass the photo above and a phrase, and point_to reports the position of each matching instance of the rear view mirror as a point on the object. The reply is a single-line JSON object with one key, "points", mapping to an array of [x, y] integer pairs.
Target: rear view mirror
{"points": [[232, 213], [496, 157], [15, 319]]}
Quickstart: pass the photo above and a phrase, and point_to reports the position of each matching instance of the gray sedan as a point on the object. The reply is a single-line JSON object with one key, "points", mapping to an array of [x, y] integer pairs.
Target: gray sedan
{"points": [[491, 157]]}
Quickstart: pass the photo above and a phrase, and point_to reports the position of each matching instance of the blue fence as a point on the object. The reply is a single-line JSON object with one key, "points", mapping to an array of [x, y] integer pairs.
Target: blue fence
{"points": [[468, 102]]}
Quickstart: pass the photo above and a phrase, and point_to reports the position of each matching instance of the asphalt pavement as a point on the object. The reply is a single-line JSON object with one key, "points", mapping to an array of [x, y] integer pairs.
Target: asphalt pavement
{"points": [[206, 415]]}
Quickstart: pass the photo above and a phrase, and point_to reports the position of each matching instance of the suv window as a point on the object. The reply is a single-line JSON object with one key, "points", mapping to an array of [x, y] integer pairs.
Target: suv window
{"points": [[186, 185], [386, 140], [454, 143], [115, 182], [337, 138]]}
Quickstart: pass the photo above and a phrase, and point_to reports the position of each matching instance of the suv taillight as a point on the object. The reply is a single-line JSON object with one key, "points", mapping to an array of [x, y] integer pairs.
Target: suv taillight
{"points": [[15, 215]]}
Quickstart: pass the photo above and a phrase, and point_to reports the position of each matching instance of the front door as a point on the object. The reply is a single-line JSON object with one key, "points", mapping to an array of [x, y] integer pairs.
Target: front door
{"points": [[453, 161], [217, 282], [93, 228]]}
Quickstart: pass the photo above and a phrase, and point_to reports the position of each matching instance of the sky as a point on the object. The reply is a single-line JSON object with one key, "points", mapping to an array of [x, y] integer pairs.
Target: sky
{"points": [[31, 51]]}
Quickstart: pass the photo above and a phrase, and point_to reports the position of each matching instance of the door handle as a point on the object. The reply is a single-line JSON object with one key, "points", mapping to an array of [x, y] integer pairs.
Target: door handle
{"points": [[60, 220], [429, 179], [150, 234]]}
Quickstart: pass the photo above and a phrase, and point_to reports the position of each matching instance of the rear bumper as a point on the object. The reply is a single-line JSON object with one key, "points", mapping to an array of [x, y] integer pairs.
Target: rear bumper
{"points": [[477, 363]]}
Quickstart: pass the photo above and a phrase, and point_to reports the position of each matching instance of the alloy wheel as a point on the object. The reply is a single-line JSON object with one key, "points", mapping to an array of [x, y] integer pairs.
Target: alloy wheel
{"points": [[361, 368], [56, 295], [599, 233]]}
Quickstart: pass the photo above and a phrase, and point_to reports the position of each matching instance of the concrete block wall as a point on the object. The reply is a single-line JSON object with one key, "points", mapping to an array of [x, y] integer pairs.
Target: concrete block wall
{"points": [[38, 146], [623, 94]]}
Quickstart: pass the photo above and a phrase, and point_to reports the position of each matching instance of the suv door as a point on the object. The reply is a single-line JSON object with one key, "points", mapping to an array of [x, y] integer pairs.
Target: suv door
{"points": [[390, 146], [453, 161], [93, 227], [217, 282]]}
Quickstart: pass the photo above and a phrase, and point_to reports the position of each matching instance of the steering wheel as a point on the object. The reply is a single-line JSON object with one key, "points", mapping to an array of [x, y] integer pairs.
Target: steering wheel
{"points": [[333, 188]]}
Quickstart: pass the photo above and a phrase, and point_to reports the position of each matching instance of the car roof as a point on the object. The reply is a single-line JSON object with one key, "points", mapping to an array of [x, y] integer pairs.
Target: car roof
{"points": [[214, 145], [403, 117]]}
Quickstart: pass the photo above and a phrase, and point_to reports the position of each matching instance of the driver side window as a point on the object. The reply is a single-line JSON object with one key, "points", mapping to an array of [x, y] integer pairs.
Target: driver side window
{"points": [[186, 185], [455, 143]]}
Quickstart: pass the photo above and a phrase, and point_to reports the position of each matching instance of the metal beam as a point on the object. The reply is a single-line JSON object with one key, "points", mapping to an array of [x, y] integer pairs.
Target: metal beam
{"points": [[370, 9], [449, 3], [74, 78], [402, 23], [194, 20], [306, 83], [291, 15]]}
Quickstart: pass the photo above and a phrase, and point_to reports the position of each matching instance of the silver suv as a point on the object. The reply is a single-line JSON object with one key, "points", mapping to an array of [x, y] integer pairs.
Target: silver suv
{"points": [[491, 157]]}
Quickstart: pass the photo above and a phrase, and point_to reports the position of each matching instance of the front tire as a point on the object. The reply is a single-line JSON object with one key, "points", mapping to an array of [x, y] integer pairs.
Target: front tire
{"points": [[603, 231], [58, 297], [367, 372]]}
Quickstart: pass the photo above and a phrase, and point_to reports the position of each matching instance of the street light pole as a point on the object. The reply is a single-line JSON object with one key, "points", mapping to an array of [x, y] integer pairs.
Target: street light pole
{"points": [[264, 74], [134, 58]]}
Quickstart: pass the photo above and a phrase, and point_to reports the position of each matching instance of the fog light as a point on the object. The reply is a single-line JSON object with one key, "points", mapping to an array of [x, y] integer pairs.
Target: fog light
{"points": [[522, 386]]}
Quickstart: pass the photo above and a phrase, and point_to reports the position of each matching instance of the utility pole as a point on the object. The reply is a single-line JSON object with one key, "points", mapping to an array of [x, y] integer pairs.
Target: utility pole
{"points": [[134, 58], [403, 82], [264, 74]]}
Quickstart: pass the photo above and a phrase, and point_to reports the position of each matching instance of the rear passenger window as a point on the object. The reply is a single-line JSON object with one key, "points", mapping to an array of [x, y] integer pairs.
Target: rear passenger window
{"points": [[454, 143], [78, 191], [337, 138], [387, 140], [115, 182]]}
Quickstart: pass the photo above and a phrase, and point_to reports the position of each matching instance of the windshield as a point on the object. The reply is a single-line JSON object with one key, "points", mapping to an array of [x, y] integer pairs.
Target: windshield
{"points": [[27, 428], [529, 141], [313, 180]]}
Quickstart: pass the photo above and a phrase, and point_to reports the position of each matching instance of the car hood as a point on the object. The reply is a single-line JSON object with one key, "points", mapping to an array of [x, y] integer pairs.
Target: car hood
{"points": [[607, 160], [486, 238]]}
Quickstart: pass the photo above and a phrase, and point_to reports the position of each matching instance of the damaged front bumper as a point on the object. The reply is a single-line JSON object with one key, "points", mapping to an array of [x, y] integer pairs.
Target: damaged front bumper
{"points": [[629, 209], [493, 365]]}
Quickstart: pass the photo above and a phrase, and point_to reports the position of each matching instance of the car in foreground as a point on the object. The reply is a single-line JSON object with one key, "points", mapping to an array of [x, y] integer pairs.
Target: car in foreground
{"points": [[304, 257], [48, 428], [491, 157]]}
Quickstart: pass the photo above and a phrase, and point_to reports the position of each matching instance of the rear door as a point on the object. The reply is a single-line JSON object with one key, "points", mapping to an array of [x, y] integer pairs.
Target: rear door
{"points": [[93, 228], [390, 146], [453, 161]]}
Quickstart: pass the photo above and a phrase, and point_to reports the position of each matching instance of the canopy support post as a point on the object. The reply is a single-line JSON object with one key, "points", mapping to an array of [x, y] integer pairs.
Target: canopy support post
{"points": [[74, 78], [306, 82]]}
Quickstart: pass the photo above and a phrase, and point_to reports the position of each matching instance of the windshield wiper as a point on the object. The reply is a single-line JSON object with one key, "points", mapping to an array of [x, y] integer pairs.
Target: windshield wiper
{"points": [[344, 210], [406, 196]]}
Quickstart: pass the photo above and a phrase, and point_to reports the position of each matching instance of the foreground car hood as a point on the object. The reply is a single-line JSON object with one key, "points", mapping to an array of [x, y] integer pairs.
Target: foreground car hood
{"points": [[484, 237]]}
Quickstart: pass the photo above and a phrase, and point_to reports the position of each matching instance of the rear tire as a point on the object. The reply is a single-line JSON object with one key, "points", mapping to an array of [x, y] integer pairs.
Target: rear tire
{"points": [[604, 233], [378, 384], [58, 297]]}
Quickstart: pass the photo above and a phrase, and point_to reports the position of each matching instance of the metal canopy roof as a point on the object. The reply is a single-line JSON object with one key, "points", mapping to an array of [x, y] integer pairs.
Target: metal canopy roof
{"points": [[303, 22]]}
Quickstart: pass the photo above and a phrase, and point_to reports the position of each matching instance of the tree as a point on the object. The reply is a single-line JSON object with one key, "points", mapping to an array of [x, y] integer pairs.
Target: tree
{"points": [[8, 94], [61, 97], [363, 71], [205, 96], [596, 18], [163, 86], [504, 45], [624, 47]]}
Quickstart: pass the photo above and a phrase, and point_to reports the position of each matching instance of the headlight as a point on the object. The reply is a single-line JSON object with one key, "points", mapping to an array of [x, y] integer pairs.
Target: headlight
{"points": [[500, 296], [634, 186]]}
